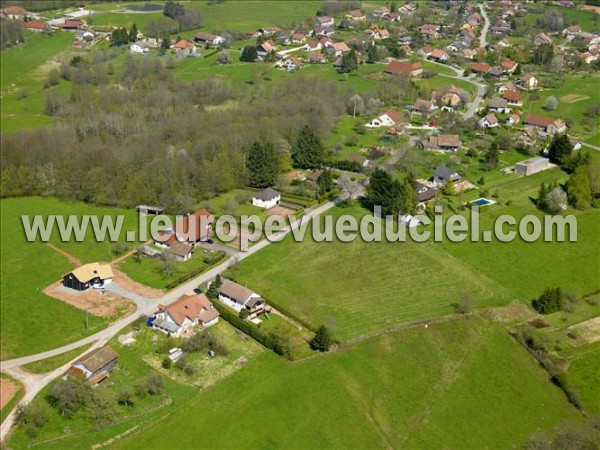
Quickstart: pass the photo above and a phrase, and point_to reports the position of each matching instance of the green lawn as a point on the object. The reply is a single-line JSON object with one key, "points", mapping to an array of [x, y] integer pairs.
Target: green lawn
{"points": [[584, 371], [463, 384], [23, 74], [148, 271], [585, 86], [363, 287], [48, 364], [572, 16], [27, 268], [572, 265]]}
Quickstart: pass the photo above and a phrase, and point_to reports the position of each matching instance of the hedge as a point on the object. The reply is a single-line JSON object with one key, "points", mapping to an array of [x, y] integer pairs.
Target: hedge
{"points": [[349, 166]]}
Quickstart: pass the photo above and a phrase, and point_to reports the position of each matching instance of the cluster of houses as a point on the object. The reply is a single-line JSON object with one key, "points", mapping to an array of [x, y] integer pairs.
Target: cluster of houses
{"points": [[181, 317]]}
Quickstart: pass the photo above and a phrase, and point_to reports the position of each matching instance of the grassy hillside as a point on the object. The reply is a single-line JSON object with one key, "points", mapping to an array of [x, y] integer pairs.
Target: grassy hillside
{"points": [[361, 286], [332, 401], [27, 268]]}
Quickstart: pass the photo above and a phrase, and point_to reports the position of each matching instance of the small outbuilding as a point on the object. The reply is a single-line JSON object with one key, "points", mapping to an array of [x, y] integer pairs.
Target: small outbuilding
{"points": [[96, 365], [531, 166]]}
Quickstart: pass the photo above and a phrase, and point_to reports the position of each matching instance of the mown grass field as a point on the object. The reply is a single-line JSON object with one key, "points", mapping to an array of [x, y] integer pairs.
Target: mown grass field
{"points": [[27, 268], [49, 364], [462, 384], [527, 268], [363, 287]]}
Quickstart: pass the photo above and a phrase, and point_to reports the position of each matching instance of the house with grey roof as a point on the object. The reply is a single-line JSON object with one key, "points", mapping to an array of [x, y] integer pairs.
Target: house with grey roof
{"points": [[239, 297], [267, 198]]}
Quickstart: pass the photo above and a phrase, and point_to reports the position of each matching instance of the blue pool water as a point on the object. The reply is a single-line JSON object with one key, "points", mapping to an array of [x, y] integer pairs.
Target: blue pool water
{"points": [[483, 202]]}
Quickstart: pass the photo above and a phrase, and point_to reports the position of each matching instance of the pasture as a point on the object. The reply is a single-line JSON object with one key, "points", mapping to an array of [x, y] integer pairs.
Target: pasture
{"points": [[362, 287], [23, 73], [465, 383], [28, 267]]}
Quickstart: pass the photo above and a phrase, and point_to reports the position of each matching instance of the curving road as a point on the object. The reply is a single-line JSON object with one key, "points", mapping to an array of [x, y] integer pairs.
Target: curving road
{"points": [[34, 383]]}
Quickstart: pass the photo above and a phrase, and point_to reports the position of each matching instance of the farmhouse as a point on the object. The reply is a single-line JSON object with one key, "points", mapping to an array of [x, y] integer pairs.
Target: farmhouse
{"points": [[387, 119], [92, 274], [267, 198], [444, 142], [210, 39], [239, 297], [546, 124], [531, 166], [184, 313], [406, 68], [96, 365]]}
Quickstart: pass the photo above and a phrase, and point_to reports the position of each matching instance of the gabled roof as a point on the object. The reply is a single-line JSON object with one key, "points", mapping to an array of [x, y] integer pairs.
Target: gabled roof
{"points": [[35, 25], [498, 103], [235, 291], [394, 115], [205, 36], [88, 272], [97, 359], [267, 194], [438, 53], [540, 121], [406, 68], [512, 96], [445, 173], [180, 249], [491, 119], [190, 306], [481, 67], [195, 223]]}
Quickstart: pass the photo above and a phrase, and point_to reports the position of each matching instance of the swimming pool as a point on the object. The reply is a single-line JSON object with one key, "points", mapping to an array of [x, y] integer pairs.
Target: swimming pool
{"points": [[483, 202]]}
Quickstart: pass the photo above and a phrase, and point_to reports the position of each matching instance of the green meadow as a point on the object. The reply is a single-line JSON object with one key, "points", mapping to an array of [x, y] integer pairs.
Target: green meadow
{"points": [[362, 287], [461, 384], [29, 267], [24, 69]]}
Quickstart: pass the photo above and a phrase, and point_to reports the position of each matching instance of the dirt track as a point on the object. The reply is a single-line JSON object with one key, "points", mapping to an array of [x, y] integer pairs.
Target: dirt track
{"points": [[7, 391], [70, 257]]}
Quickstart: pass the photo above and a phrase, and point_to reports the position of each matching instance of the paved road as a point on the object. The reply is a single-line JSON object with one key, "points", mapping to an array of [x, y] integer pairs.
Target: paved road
{"points": [[35, 383], [486, 26]]}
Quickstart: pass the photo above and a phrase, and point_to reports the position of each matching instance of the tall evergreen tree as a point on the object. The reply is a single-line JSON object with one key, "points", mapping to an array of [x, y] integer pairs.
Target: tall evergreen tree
{"points": [[578, 188], [133, 32], [349, 62], [325, 182], [262, 164], [323, 339], [249, 54], [308, 151], [560, 149]]}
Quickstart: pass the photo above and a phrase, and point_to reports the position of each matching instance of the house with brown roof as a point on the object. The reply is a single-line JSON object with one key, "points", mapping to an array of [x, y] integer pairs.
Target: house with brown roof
{"points": [[548, 125], [512, 119], [442, 142], [480, 67], [72, 24], [508, 65], [439, 55], [407, 9], [89, 275], [195, 227], [298, 38], [423, 106], [325, 21], [512, 97], [37, 25], [356, 15], [450, 96], [208, 38], [240, 297], [340, 48], [388, 119], [408, 69], [185, 48], [179, 317], [290, 64], [96, 365], [180, 251]]}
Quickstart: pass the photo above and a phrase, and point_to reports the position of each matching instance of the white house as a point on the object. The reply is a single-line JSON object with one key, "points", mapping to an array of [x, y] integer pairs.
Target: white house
{"points": [[267, 198], [387, 119], [239, 297], [489, 121], [325, 21], [139, 49], [210, 39], [184, 313]]}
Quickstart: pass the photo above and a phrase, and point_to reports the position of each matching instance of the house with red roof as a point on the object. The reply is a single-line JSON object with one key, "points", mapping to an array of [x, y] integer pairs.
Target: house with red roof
{"points": [[408, 69], [178, 318]]}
